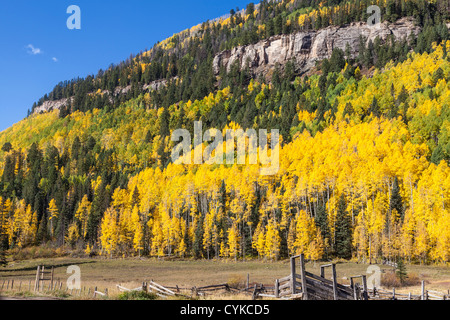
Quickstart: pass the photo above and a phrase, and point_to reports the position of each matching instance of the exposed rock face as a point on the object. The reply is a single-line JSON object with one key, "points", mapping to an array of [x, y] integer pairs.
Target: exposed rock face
{"points": [[57, 104], [305, 48], [50, 105]]}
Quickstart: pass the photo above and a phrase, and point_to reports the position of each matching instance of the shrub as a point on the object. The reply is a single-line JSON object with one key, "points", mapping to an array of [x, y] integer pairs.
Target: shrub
{"points": [[237, 281], [390, 279], [137, 295], [40, 252]]}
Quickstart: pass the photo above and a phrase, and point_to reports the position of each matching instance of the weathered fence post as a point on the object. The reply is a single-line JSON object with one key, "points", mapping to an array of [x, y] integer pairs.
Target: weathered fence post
{"points": [[277, 288], [303, 275], [422, 296], [255, 292], [51, 278], [355, 291], [335, 292], [365, 294], [36, 283], [293, 290]]}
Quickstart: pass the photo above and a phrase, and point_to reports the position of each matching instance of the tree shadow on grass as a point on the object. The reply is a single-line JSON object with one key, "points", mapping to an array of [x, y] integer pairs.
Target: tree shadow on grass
{"points": [[47, 267]]}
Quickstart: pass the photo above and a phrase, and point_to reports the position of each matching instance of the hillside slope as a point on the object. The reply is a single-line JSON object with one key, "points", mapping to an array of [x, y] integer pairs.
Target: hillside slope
{"points": [[363, 167]]}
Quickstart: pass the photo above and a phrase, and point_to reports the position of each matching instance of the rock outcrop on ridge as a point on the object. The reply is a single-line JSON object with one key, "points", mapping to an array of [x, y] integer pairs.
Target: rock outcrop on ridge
{"points": [[305, 48]]}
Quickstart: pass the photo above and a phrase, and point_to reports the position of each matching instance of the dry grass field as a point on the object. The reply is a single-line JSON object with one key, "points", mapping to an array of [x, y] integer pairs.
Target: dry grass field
{"points": [[131, 272]]}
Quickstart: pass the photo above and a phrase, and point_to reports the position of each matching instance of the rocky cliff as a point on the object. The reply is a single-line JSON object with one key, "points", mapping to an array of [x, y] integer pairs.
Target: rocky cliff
{"points": [[305, 48], [57, 104]]}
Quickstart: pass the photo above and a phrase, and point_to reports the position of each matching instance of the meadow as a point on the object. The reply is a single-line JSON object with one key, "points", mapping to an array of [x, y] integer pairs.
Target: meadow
{"points": [[132, 272]]}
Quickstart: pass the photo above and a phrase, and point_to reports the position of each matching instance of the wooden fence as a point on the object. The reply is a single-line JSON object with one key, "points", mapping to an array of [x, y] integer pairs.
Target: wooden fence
{"points": [[56, 289], [383, 294], [308, 286]]}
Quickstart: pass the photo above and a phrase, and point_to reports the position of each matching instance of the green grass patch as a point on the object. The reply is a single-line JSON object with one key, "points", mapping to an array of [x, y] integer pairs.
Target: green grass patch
{"points": [[137, 295]]}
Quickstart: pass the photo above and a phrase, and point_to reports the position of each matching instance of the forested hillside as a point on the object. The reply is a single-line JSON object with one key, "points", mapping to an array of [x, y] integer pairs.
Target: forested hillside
{"points": [[364, 161]]}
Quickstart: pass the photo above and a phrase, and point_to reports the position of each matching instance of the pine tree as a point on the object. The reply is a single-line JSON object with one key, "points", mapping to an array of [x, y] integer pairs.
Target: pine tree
{"points": [[396, 202], [7, 147], [3, 261], [375, 108], [343, 232], [321, 221], [401, 271]]}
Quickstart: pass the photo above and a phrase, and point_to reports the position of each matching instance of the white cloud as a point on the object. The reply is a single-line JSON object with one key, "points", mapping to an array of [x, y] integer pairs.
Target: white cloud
{"points": [[32, 50], [55, 59]]}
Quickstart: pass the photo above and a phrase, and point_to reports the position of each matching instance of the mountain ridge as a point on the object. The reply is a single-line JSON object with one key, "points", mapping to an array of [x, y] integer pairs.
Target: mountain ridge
{"points": [[306, 48]]}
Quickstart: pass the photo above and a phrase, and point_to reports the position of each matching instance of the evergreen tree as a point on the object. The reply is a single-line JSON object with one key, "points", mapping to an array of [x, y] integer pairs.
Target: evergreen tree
{"points": [[7, 147], [337, 60], [343, 233], [400, 271], [3, 261], [321, 221], [375, 108], [438, 155], [396, 202]]}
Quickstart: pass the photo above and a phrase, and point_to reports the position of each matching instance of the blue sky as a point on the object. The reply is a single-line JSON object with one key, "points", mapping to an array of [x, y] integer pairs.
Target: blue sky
{"points": [[37, 50]]}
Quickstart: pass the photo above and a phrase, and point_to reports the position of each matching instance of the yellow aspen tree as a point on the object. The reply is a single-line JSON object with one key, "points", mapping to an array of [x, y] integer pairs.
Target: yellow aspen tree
{"points": [[291, 237], [443, 239], [316, 247], [109, 233], [34, 226], [138, 231], [53, 214], [223, 250], [181, 248], [179, 228], [5, 228], [303, 230], [82, 214], [360, 237], [233, 242], [272, 241], [73, 234], [376, 222], [2, 218], [17, 222], [30, 226], [421, 241], [8, 211], [258, 241], [157, 245], [25, 224], [407, 235], [125, 229]]}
